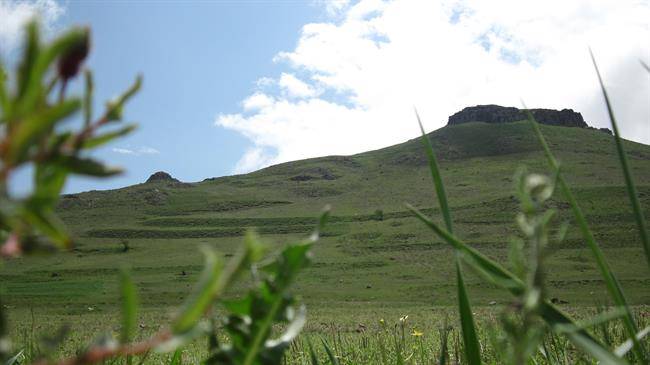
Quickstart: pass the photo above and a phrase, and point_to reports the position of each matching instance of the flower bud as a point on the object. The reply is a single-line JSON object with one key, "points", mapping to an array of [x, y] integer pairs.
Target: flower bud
{"points": [[71, 59]]}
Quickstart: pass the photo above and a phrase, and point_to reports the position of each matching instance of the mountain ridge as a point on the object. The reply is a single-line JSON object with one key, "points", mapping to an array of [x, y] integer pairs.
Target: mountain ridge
{"points": [[371, 238]]}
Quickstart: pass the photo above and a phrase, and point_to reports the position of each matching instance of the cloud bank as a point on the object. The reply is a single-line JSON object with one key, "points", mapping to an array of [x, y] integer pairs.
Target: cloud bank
{"points": [[14, 15], [351, 83]]}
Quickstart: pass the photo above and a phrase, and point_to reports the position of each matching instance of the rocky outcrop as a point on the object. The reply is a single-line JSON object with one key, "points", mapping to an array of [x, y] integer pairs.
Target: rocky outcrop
{"points": [[161, 176], [501, 114]]}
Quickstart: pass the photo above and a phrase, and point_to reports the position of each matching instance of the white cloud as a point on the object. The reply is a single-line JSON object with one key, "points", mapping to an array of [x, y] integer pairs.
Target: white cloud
{"points": [[15, 14], [252, 159], [377, 60], [123, 151], [294, 87], [148, 151], [333, 7], [257, 101], [144, 150]]}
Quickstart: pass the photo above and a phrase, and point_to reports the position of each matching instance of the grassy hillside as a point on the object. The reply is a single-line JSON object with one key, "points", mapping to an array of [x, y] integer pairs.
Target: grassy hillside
{"points": [[374, 256]]}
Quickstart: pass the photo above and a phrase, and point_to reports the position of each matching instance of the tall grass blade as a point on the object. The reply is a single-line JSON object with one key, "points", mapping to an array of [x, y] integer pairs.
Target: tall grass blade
{"points": [[16, 359], [629, 182], [313, 358], [435, 176], [626, 346], [612, 284], [444, 351], [177, 358], [491, 270], [129, 308], [330, 354], [495, 273], [471, 346], [602, 354]]}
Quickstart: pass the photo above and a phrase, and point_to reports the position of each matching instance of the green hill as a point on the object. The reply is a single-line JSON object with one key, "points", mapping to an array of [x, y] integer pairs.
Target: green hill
{"points": [[373, 253]]}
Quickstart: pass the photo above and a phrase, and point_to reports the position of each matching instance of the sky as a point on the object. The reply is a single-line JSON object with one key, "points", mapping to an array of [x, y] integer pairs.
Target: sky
{"points": [[235, 86]]}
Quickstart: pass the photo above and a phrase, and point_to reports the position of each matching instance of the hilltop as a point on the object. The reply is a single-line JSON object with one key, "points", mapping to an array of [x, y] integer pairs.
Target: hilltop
{"points": [[373, 251], [500, 114]]}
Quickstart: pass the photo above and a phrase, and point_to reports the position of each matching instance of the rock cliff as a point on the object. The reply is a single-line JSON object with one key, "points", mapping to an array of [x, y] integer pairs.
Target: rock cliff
{"points": [[500, 114]]}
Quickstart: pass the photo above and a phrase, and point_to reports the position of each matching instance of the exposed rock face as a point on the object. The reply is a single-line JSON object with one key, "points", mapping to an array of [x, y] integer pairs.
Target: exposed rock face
{"points": [[501, 114], [161, 176]]}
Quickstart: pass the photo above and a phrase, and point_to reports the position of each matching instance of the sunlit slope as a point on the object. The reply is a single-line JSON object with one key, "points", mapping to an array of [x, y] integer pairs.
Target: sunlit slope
{"points": [[373, 250]]}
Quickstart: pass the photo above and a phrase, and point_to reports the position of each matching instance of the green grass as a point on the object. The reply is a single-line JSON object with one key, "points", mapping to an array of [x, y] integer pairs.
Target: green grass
{"points": [[364, 267]]}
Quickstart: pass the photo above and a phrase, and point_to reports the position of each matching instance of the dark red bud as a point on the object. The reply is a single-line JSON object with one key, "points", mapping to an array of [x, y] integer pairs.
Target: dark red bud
{"points": [[71, 60]]}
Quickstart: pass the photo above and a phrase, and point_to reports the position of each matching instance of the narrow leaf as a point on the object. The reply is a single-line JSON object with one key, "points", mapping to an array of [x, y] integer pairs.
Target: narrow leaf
{"points": [[493, 271], [611, 283], [107, 137], [202, 295], [313, 358], [627, 174], [86, 166], [177, 358], [88, 98], [30, 129], [129, 306], [330, 354], [626, 346], [472, 347], [600, 353], [114, 107]]}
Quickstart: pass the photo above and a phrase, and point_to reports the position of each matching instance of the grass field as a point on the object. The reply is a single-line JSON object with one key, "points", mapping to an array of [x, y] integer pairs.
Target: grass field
{"points": [[375, 260]]}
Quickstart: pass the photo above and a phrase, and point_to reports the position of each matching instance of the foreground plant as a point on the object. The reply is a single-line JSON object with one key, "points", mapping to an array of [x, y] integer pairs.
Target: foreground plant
{"points": [[532, 316], [33, 109], [33, 106]]}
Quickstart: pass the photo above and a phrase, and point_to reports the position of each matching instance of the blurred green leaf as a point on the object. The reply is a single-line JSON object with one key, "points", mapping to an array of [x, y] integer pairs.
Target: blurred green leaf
{"points": [[202, 294], [129, 306], [252, 317], [107, 137], [493, 272], [34, 93], [5, 105], [177, 358], [600, 353], [27, 64], [86, 166], [626, 346], [33, 127], [611, 282], [114, 108], [48, 181], [47, 223], [16, 359], [88, 98]]}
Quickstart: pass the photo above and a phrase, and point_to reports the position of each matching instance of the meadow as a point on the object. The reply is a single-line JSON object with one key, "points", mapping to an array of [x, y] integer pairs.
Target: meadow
{"points": [[374, 261], [511, 257]]}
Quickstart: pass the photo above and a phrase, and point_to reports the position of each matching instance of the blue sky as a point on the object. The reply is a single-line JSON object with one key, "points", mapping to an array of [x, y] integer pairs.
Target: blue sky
{"points": [[198, 59], [234, 86]]}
